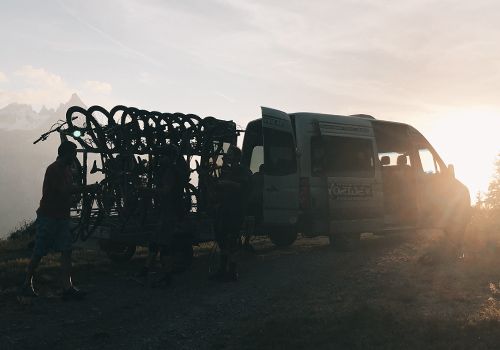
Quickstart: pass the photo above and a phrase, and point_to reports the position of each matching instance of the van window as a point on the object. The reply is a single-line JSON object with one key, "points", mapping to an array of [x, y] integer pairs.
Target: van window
{"points": [[389, 159], [279, 153], [339, 156], [257, 158], [429, 163]]}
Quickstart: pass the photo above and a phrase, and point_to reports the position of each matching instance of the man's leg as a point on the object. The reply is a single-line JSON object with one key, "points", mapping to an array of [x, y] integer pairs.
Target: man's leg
{"points": [[142, 275], [167, 265], [26, 290], [64, 244], [233, 250], [229, 245], [70, 292], [30, 270], [151, 258], [44, 226], [66, 269], [221, 239]]}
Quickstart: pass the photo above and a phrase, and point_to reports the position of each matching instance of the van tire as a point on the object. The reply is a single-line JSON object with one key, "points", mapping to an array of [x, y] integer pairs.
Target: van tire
{"points": [[283, 237], [344, 242]]}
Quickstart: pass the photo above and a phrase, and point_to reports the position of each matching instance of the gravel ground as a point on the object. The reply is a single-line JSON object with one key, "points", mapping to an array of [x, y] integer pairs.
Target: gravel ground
{"points": [[391, 292]]}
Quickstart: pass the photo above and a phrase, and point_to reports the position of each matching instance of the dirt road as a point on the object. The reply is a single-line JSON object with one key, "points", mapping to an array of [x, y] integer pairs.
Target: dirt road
{"points": [[392, 292]]}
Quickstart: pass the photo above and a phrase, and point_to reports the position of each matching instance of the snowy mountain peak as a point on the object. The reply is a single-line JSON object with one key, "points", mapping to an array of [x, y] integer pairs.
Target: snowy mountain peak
{"points": [[74, 100], [17, 116]]}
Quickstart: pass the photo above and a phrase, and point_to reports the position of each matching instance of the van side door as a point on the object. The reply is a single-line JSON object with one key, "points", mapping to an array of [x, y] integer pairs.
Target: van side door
{"points": [[281, 182], [354, 180], [398, 167]]}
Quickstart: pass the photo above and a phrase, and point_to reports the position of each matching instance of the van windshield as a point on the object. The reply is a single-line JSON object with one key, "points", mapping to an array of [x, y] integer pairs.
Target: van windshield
{"points": [[339, 156]]}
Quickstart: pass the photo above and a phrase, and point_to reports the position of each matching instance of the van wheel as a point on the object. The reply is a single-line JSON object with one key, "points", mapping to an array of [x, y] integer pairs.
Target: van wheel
{"points": [[283, 237], [344, 242], [117, 251]]}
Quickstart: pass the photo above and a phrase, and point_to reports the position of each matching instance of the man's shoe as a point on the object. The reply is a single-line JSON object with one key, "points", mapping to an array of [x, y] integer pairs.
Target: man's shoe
{"points": [[73, 293], [27, 291], [232, 274]]}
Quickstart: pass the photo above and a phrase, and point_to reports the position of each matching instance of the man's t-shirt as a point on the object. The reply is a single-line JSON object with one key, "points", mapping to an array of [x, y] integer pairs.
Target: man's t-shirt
{"points": [[175, 177], [235, 199], [56, 193]]}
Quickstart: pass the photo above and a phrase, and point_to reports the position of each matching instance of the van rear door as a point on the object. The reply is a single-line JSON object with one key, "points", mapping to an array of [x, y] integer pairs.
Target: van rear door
{"points": [[281, 182]]}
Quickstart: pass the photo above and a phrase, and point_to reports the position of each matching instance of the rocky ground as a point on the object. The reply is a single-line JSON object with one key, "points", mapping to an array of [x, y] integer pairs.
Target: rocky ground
{"points": [[391, 292]]}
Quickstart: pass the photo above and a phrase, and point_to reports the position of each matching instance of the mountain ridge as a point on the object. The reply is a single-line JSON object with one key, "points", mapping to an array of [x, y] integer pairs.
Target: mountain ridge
{"points": [[22, 116]]}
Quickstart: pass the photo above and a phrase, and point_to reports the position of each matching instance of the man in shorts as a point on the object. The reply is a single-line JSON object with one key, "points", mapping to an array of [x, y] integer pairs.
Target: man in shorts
{"points": [[233, 189], [172, 175], [53, 221]]}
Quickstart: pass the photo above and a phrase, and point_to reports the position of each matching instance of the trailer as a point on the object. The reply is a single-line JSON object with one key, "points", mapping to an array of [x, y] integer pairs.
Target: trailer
{"points": [[120, 150]]}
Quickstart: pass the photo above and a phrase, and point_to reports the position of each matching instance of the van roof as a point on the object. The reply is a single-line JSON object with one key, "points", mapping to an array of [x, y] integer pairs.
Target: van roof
{"points": [[357, 119], [309, 115]]}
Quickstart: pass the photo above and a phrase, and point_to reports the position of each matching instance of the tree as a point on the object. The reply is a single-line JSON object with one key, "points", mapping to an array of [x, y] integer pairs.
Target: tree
{"points": [[493, 196], [479, 200]]}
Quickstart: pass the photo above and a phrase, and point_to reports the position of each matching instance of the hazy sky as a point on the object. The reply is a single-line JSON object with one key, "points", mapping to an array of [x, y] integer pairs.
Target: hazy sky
{"points": [[435, 64]]}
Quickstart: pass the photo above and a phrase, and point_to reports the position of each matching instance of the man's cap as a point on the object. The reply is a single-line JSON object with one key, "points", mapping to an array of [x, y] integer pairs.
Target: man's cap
{"points": [[235, 151]]}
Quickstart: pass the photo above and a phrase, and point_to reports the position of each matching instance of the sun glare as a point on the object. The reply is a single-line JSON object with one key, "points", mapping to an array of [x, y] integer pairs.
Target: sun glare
{"points": [[470, 141]]}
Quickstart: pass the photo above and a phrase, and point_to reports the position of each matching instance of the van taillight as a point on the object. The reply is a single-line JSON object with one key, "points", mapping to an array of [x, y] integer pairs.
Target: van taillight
{"points": [[304, 193]]}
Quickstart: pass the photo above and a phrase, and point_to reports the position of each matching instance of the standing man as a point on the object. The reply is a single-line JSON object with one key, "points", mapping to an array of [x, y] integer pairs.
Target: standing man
{"points": [[255, 203], [173, 176], [53, 221], [233, 190]]}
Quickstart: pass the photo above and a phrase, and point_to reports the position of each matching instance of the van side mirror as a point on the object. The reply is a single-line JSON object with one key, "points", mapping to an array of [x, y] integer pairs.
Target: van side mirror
{"points": [[451, 170]]}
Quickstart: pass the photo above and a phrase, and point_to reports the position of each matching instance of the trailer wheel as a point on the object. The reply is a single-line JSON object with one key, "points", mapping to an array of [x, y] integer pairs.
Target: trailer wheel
{"points": [[283, 237], [344, 242], [117, 251]]}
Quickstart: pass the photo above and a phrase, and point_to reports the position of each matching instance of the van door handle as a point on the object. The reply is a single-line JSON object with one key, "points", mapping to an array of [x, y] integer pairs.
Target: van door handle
{"points": [[272, 189]]}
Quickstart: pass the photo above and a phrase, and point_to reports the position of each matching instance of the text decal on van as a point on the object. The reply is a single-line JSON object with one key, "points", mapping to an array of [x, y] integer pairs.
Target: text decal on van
{"points": [[274, 122], [350, 191]]}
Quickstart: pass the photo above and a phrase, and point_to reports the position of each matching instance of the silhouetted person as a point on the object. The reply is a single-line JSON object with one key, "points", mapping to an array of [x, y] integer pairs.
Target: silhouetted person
{"points": [[233, 191], [255, 203], [53, 221], [173, 175]]}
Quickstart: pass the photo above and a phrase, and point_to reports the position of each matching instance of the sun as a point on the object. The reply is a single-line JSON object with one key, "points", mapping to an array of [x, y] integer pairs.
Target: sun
{"points": [[470, 140]]}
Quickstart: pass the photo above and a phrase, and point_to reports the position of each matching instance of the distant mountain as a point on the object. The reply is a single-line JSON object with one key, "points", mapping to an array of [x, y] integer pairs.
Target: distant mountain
{"points": [[22, 164], [74, 100], [16, 116]]}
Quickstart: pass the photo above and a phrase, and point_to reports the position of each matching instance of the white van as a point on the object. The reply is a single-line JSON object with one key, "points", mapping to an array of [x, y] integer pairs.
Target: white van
{"points": [[341, 176]]}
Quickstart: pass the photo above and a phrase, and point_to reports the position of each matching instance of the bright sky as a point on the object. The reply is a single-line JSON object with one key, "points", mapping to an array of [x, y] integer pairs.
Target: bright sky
{"points": [[434, 64]]}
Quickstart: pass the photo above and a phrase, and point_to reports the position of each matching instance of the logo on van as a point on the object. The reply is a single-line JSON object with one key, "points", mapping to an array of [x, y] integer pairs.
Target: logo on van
{"points": [[273, 122], [350, 191]]}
